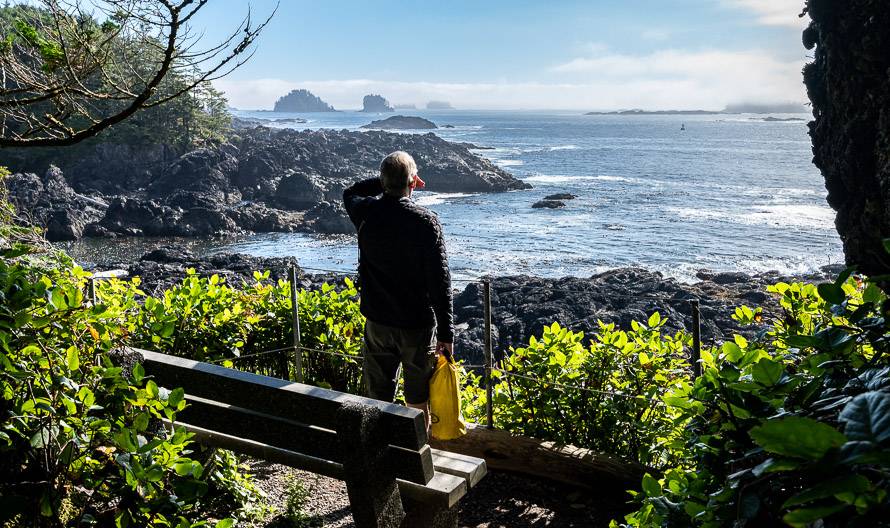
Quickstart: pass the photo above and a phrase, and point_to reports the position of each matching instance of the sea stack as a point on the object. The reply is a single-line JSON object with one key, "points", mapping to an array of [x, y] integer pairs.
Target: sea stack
{"points": [[376, 103], [302, 101]]}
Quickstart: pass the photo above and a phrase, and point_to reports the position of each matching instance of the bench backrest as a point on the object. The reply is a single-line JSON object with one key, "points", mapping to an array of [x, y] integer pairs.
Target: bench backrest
{"points": [[286, 415]]}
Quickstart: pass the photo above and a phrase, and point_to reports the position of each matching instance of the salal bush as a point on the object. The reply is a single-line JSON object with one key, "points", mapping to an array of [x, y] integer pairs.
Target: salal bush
{"points": [[249, 326], [80, 441], [791, 428], [603, 393]]}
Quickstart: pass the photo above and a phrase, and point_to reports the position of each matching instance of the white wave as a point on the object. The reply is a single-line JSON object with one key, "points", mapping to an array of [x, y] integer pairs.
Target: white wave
{"points": [[800, 215], [564, 178], [507, 162], [426, 198], [564, 147], [814, 216]]}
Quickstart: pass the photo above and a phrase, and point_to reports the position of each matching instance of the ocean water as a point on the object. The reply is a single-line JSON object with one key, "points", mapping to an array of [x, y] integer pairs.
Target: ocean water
{"points": [[730, 193]]}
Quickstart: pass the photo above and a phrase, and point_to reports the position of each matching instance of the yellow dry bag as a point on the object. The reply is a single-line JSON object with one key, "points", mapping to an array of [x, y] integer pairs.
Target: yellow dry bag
{"points": [[447, 422]]}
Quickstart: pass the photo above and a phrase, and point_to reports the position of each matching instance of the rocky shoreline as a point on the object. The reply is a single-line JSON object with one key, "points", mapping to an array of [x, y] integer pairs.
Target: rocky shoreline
{"points": [[263, 180], [522, 305]]}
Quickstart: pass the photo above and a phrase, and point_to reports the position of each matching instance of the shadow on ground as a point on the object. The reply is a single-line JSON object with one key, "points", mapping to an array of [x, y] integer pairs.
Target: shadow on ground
{"points": [[515, 501]]}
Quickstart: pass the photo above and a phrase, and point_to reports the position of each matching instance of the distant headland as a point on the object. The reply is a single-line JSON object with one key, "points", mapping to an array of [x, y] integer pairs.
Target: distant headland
{"points": [[744, 108], [439, 105], [302, 101]]}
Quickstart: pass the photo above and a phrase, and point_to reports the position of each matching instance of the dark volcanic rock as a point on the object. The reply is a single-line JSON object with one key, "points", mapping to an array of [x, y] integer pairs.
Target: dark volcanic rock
{"points": [[560, 196], [239, 123], [329, 218], [298, 191], [548, 204], [522, 305], [848, 86], [168, 265], [302, 101], [401, 123], [336, 159], [50, 202], [264, 181], [376, 103]]}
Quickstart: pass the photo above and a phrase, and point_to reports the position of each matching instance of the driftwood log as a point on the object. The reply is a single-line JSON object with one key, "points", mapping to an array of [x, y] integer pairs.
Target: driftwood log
{"points": [[579, 467]]}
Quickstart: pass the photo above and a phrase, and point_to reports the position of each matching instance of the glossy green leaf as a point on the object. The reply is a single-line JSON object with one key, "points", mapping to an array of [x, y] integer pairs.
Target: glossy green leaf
{"points": [[797, 437], [73, 358], [867, 418], [832, 293], [651, 486], [804, 517], [767, 372], [847, 483]]}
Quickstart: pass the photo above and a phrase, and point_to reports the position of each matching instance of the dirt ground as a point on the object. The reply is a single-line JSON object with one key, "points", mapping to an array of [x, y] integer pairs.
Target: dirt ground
{"points": [[499, 500]]}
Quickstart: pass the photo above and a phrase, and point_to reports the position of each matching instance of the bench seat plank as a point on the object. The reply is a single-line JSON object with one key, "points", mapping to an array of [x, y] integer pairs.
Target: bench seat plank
{"points": [[265, 451], [443, 490], [276, 397], [413, 465], [470, 468]]}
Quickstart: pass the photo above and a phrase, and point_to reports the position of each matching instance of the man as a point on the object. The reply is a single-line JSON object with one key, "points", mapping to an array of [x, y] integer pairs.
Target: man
{"points": [[406, 285]]}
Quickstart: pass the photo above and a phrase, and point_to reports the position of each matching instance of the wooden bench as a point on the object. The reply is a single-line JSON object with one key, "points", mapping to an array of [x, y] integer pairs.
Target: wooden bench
{"points": [[393, 477]]}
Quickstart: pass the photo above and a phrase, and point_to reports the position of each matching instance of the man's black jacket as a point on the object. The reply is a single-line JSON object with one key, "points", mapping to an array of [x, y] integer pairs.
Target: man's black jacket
{"points": [[403, 266]]}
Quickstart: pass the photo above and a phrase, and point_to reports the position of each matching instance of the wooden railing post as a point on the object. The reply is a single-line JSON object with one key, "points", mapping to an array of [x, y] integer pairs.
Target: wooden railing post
{"points": [[92, 290], [695, 358], [489, 412], [295, 304]]}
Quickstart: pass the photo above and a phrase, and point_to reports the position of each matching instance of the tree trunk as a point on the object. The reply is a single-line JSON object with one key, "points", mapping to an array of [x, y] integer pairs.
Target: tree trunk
{"points": [[566, 464], [849, 86]]}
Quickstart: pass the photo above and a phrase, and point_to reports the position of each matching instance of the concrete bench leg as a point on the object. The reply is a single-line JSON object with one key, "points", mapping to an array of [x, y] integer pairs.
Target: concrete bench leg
{"points": [[373, 493], [420, 514]]}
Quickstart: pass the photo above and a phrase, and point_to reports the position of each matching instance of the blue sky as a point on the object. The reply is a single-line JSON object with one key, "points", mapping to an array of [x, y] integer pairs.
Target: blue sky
{"points": [[521, 54]]}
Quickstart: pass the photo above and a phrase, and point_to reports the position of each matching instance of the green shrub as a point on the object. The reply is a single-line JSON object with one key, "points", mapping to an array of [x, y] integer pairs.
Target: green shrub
{"points": [[297, 497], [206, 319], [232, 483], [79, 440], [791, 426], [617, 408]]}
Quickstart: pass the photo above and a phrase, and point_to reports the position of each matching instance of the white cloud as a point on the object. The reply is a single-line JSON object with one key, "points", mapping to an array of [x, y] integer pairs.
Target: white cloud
{"points": [[713, 84], [696, 79], [596, 80], [774, 12]]}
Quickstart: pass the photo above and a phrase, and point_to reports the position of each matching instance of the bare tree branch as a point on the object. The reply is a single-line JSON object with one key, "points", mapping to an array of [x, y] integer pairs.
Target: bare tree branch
{"points": [[67, 73]]}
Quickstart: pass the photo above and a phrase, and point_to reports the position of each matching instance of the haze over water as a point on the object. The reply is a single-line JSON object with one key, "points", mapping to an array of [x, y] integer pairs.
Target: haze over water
{"points": [[731, 193]]}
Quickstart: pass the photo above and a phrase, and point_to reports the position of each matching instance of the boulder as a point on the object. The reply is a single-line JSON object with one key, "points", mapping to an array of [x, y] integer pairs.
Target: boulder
{"points": [[298, 192], [560, 196], [138, 217], [330, 219], [548, 204], [49, 201]]}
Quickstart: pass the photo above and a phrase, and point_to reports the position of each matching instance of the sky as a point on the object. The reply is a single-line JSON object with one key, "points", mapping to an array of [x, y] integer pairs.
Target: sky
{"points": [[520, 54]]}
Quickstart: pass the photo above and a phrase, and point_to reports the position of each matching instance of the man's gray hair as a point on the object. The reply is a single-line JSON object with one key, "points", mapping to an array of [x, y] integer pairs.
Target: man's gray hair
{"points": [[396, 171]]}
